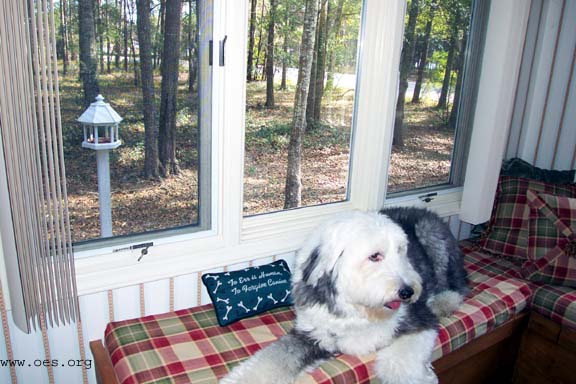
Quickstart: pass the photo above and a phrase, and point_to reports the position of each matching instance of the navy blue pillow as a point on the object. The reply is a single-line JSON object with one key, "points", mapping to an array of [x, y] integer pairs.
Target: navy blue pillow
{"points": [[248, 292]]}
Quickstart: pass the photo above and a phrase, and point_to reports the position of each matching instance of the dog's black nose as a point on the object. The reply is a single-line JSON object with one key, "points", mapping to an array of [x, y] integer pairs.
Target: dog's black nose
{"points": [[405, 292]]}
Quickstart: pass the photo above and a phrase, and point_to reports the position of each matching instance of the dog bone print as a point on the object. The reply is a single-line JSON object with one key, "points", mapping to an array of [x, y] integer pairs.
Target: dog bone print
{"points": [[285, 297], [258, 303], [272, 298], [212, 277], [227, 301], [241, 305], [218, 284], [228, 309]]}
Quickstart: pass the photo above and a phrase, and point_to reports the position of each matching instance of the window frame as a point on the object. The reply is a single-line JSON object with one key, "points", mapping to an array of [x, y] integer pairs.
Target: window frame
{"points": [[206, 149]]}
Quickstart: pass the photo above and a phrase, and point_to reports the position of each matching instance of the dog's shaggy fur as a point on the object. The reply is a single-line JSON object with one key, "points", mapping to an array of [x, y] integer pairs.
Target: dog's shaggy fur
{"points": [[367, 282]]}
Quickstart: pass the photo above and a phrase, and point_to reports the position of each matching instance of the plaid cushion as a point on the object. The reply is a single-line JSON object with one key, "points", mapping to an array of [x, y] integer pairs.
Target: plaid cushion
{"points": [[552, 240], [507, 231], [189, 346], [556, 303]]}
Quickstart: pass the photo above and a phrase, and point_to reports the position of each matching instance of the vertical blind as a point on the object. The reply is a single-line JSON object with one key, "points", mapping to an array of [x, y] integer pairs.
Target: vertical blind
{"points": [[34, 219]]}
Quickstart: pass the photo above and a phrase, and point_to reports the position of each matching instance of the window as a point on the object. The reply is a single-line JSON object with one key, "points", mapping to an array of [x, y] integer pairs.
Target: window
{"points": [[275, 48], [162, 88], [439, 71]]}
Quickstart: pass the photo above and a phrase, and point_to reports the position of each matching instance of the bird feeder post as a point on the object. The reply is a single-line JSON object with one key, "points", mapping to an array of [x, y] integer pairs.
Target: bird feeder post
{"points": [[103, 169], [100, 128]]}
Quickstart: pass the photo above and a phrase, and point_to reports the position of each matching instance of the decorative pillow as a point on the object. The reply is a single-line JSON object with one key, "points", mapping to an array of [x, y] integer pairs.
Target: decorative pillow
{"points": [[248, 292], [552, 240], [507, 231], [519, 168]]}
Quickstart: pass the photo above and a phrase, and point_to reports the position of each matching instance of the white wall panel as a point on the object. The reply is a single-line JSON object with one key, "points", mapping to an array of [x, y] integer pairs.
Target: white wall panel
{"points": [[94, 312], [126, 303], [64, 347], [4, 371], [29, 347], [542, 130], [185, 291], [157, 297], [542, 66], [566, 152], [556, 92]]}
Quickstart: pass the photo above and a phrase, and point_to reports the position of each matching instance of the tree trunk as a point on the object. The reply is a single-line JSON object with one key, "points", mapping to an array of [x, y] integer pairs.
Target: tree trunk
{"points": [[442, 101], [406, 63], [117, 39], [132, 45], [100, 34], [87, 43], [310, 103], [125, 28], [293, 189], [270, 55], [457, 91], [151, 163], [284, 59], [108, 45], [423, 55], [169, 70], [320, 63], [259, 50], [250, 66], [64, 36], [334, 31], [192, 47]]}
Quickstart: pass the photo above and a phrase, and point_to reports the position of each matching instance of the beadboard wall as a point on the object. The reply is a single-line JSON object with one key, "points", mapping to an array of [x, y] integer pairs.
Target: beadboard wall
{"points": [[71, 342], [543, 130]]}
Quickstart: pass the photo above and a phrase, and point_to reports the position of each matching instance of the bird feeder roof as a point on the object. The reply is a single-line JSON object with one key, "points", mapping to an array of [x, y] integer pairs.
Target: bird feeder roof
{"points": [[99, 113]]}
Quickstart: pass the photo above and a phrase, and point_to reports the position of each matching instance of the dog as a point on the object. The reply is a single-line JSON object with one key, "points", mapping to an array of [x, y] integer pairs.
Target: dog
{"points": [[363, 283]]}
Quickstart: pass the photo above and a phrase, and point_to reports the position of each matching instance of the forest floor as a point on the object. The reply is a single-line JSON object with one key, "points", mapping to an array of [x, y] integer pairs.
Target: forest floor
{"points": [[140, 204]]}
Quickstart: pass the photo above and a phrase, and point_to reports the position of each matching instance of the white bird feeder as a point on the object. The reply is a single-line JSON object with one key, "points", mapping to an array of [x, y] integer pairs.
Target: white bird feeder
{"points": [[100, 124]]}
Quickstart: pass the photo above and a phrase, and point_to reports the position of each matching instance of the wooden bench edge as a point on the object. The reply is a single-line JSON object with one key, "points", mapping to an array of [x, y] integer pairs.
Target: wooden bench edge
{"points": [[513, 327], [104, 369]]}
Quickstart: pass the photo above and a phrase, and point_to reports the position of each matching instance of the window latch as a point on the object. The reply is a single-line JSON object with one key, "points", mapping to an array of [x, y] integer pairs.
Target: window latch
{"points": [[428, 197], [210, 52], [222, 47], [142, 246]]}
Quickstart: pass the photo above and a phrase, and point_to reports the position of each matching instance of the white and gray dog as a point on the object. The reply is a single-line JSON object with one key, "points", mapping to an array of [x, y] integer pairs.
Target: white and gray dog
{"points": [[363, 283]]}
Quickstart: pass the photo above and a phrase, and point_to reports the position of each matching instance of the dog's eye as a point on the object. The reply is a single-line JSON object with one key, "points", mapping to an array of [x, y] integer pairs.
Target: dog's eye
{"points": [[376, 257]]}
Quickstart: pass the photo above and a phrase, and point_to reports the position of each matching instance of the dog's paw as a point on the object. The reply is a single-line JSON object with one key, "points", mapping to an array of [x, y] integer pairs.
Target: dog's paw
{"points": [[417, 375]]}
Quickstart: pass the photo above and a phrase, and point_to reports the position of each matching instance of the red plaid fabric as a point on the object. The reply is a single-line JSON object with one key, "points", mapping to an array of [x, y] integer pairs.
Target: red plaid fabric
{"points": [[188, 346], [507, 231], [552, 240], [556, 303]]}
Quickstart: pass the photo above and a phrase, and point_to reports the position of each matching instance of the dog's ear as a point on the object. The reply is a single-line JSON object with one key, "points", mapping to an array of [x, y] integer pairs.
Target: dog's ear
{"points": [[322, 290], [310, 264]]}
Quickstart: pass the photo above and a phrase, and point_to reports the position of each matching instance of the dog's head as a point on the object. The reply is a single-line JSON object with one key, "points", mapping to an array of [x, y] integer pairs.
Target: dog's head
{"points": [[357, 259]]}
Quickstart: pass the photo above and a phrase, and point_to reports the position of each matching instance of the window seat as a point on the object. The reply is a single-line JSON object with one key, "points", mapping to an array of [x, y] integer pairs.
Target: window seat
{"points": [[189, 346]]}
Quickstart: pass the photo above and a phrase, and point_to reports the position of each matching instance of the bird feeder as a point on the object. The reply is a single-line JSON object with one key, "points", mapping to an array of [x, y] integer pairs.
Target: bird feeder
{"points": [[100, 126]]}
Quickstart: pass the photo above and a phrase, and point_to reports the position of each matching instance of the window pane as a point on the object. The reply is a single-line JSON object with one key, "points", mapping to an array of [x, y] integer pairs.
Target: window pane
{"points": [[125, 49], [275, 31], [432, 70]]}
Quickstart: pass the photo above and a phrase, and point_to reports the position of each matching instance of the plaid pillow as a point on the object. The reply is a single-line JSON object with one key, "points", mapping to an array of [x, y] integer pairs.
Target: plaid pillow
{"points": [[552, 240], [507, 231]]}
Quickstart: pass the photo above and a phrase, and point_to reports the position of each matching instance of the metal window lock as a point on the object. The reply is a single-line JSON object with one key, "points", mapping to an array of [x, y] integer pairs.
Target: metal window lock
{"points": [[428, 197], [142, 246]]}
